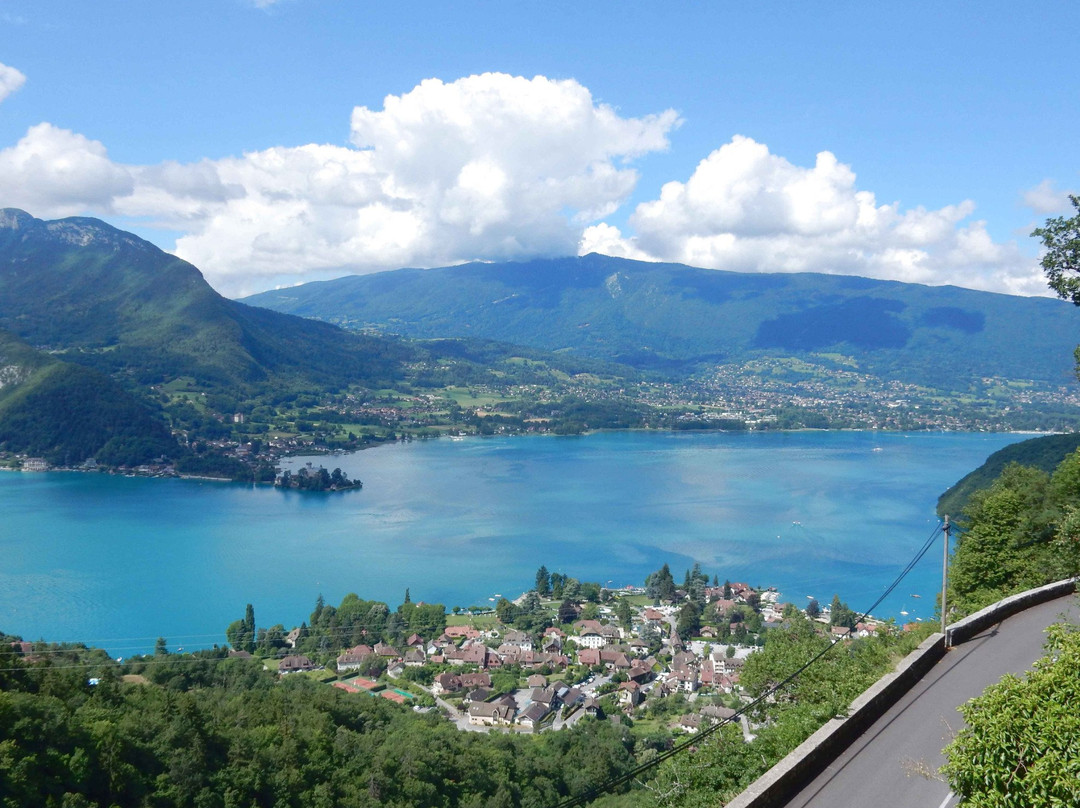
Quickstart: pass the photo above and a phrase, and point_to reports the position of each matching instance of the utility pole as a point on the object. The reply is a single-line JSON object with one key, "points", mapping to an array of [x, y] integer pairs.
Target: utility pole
{"points": [[945, 576]]}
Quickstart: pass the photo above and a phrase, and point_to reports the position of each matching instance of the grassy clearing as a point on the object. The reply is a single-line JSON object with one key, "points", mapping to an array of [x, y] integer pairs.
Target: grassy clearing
{"points": [[483, 622]]}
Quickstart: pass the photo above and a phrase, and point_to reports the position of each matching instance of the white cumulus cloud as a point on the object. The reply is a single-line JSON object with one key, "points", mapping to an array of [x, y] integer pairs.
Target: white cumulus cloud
{"points": [[487, 167], [746, 209], [499, 167], [1045, 199], [56, 172], [10, 80]]}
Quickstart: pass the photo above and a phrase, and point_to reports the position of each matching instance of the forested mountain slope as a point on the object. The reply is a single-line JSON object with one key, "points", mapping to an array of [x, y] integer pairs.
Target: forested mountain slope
{"points": [[677, 316], [108, 299]]}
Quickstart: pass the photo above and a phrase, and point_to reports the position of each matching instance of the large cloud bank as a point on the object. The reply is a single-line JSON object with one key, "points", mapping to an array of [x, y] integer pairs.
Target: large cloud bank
{"points": [[746, 209], [487, 167], [493, 167]]}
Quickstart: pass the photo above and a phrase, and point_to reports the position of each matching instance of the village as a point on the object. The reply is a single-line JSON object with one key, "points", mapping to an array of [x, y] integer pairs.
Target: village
{"points": [[655, 654]]}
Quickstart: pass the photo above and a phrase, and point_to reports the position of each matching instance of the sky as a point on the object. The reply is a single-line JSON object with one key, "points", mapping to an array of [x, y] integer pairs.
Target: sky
{"points": [[274, 143]]}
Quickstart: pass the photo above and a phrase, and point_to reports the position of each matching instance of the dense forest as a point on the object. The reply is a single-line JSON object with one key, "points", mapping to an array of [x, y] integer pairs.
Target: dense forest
{"points": [[1020, 532]]}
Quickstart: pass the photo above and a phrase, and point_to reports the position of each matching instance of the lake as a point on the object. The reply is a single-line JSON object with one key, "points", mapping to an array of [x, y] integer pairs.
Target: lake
{"points": [[117, 562]]}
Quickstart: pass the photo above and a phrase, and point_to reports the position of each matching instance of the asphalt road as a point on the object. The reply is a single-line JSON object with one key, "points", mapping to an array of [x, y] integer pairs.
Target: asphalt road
{"points": [[894, 764]]}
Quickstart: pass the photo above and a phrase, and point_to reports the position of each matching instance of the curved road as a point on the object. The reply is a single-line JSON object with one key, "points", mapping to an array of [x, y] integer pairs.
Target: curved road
{"points": [[894, 764]]}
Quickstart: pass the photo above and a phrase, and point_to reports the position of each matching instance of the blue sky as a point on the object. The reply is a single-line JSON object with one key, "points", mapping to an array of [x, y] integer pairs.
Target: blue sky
{"points": [[917, 141]]}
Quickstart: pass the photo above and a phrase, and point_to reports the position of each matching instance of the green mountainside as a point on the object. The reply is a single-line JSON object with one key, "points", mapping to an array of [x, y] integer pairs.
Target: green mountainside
{"points": [[67, 413], [668, 315], [108, 299], [1043, 453]]}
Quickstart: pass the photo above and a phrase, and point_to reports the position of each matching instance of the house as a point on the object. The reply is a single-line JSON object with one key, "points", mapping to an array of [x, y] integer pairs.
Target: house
{"points": [[611, 634], [630, 694], [693, 722], [414, 657], [568, 695], [293, 637], [589, 656], [475, 680], [717, 712], [384, 650], [446, 683], [652, 618], [475, 653], [461, 632], [591, 707], [353, 658], [35, 464], [615, 659], [551, 644], [414, 641], [537, 680], [515, 655], [683, 660], [519, 639], [639, 672], [545, 696], [533, 715], [589, 639], [581, 626], [490, 715], [295, 664]]}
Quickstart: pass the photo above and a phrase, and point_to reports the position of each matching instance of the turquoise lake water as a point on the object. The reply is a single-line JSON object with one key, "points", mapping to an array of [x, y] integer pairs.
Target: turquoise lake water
{"points": [[117, 562]]}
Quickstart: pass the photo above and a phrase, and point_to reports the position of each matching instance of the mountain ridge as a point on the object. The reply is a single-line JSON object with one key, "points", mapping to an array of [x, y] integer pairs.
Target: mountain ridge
{"points": [[656, 315]]}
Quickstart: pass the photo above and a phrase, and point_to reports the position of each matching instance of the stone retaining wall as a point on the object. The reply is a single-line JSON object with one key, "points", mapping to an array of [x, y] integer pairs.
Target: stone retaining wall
{"points": [[963, 630]]}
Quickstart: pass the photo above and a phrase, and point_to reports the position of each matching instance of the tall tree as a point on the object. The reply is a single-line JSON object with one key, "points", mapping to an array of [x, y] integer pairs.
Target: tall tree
{"points": [[543, 581], [1061, 259]]}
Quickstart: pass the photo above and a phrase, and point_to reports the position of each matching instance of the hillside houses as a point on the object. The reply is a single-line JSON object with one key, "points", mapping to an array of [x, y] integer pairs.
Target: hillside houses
{"points": [[608, 659]]}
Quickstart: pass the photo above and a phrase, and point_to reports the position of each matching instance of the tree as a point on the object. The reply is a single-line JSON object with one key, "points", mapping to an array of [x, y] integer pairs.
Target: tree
{"points": [[506, 611], [660, 585], [1019, 745], [249, 627], [543, 581], [159, 647], [1061, 262], [689, 620], [813, 608], [624, 613], [567, 611], [840, 614]]}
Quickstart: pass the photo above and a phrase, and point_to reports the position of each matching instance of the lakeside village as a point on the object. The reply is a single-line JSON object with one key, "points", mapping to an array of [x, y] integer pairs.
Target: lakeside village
{"points": [[663, 653]]}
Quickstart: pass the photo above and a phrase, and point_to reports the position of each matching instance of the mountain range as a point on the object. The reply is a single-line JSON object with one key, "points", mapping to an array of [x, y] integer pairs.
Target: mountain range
{"points": [[678, 318]]}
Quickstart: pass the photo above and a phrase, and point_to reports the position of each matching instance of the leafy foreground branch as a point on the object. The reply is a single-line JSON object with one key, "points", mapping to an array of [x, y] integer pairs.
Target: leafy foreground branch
{"points": [[1022, 743]]}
